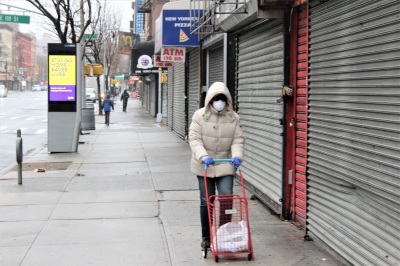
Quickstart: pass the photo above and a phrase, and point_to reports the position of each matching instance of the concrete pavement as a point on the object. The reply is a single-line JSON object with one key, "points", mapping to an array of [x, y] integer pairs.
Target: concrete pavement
{"points": [[127, 197]]}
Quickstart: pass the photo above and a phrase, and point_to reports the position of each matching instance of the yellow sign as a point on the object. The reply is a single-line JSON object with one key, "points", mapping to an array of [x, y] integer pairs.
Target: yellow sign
{"points": [[62, 69]]}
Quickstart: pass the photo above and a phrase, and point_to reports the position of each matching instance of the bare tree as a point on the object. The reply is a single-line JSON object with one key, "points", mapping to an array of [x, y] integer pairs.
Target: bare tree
{"points": [[65, 15], [104, 47]]}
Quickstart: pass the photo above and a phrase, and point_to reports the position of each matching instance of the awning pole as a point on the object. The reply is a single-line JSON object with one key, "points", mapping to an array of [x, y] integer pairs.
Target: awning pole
{"points": [[159, 114]]}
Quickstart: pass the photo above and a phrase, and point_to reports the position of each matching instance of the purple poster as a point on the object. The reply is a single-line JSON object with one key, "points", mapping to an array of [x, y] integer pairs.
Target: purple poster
{"points": [[62, 93]]}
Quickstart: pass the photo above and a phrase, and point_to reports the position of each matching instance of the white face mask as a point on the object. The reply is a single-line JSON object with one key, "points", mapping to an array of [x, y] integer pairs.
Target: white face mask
{"points": [[219, 105]]}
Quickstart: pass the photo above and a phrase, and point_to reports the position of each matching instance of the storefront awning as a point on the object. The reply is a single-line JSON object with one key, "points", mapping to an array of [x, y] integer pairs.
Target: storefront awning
{"points": [[142, 59]]}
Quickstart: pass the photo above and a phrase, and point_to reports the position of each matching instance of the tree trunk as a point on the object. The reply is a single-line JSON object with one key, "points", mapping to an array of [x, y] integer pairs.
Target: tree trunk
{"points": [[99, 94]]}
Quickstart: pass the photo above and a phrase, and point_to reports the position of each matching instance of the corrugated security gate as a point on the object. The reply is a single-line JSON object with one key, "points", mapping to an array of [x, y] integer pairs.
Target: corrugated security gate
{"points": [[164, 108], [152, 98], [194, 82], [216, 65], [300, 41], [259, 80], [179, 98], [146, 94], [354, 128], [170, 83]]}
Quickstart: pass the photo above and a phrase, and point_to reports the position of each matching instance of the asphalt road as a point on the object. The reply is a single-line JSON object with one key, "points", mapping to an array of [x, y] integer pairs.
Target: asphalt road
{"points": [[26, 111]]}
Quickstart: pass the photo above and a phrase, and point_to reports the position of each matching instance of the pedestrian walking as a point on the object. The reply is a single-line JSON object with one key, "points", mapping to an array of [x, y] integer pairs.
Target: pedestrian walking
{"points": [[215, 133], [124, 98], [107, 106]]}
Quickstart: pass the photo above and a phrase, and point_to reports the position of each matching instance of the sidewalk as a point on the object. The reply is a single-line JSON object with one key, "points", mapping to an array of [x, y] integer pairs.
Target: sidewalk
{"points": [[127, 197]]}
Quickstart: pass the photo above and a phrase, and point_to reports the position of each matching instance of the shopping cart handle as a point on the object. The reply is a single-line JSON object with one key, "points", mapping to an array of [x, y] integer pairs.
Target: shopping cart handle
{"points": [[228, 160], [221, 160]]}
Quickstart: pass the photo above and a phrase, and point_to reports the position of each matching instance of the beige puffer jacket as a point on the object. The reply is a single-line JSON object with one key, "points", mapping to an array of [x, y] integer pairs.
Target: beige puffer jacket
{"points": [[215, 134]]}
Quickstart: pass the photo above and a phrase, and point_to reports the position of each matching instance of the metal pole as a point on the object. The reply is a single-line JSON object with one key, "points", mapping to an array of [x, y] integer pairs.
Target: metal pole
{"points": [[19, 156], [82, 62], [159, 114]]}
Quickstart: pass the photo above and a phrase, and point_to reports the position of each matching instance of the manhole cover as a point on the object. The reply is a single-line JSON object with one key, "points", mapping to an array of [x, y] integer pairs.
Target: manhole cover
{"points": [[49, 166]]}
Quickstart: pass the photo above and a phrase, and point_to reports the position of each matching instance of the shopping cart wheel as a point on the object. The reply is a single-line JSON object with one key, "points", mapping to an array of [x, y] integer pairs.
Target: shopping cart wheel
{"points": [[216, 258], [204, 251], [249, 257]]}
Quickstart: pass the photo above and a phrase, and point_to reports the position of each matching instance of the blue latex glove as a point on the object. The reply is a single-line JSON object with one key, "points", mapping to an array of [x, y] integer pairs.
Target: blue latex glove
{"points": [[235, 161], [208, 160]]}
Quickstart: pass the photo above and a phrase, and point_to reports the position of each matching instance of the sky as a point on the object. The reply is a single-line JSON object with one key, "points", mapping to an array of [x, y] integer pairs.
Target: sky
{"points": [[36, 20]]}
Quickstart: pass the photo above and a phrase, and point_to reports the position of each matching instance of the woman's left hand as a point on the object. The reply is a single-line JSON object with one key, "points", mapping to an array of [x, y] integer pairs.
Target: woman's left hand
{"points": [[235, 161]]}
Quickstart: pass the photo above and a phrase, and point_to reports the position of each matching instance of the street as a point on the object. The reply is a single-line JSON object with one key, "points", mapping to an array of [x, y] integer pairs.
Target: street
{"points": [[26, 111]]}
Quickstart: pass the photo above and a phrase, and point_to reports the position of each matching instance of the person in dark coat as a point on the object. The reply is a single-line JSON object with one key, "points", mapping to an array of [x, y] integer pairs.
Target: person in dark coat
{"points": [[107, 106], [124, 98]]}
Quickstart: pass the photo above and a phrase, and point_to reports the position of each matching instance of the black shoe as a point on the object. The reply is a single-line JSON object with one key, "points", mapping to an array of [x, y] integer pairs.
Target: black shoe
{"points": [[205, 243]]}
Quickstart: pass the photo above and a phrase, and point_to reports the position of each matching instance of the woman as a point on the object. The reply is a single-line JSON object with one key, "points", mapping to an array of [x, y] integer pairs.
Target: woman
{"points": [[215, 133], [108, 105]]}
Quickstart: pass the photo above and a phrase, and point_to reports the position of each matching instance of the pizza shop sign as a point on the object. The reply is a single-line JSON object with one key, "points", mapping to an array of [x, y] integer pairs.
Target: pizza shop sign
{"points": [[173, 54], [173, 27]]}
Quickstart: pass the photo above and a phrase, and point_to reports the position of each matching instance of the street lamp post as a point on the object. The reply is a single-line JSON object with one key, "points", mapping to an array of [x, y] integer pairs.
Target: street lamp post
{"points": [[6, 75]]}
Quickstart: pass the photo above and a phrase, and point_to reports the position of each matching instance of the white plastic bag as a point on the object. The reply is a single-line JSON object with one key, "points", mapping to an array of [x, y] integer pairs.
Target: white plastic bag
{"points": [[232, 237]]}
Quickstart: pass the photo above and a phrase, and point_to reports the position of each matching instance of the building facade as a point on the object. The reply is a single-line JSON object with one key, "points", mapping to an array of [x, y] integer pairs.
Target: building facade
{"points": [[316, 84], [6, 55]]}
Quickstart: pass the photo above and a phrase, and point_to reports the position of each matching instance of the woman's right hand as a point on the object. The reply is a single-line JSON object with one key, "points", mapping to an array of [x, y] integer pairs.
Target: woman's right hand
{"points": [[208, 160]]}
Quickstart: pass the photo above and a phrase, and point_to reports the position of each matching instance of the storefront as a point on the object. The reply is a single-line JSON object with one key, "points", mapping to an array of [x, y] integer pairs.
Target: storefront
{"points": [[353, 188], [142, 66], [194, 85], [259, 79], [175, 44]]}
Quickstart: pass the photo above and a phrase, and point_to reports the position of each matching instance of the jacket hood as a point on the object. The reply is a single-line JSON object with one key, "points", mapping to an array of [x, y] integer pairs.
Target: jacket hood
{"points": [[215, 89]]}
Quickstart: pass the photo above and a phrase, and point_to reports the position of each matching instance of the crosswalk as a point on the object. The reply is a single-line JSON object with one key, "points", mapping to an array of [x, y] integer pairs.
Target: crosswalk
{"points": [[26, 131], [39, 128]]}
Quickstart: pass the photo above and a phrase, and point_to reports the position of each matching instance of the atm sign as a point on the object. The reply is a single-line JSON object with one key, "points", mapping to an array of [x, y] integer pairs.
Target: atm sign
{"points": [[173, 54]]}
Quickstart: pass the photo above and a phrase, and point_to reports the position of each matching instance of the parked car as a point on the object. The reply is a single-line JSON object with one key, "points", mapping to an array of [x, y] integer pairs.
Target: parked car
{"points": [[3, 91], [36, 88], [44, 88], [91, 94]]}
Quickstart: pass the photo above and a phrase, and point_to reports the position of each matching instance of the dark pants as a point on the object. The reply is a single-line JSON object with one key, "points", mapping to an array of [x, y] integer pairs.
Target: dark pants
{"points": [[107, 114], [124, 104], [224, 185]]}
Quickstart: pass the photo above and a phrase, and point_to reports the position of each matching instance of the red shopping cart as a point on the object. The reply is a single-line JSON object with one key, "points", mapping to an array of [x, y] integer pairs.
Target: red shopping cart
{"points": [[229, 222]]}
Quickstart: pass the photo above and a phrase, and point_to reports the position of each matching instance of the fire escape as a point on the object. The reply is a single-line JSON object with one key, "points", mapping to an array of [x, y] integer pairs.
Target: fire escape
{"points": [[205, 14], [144, 6]]}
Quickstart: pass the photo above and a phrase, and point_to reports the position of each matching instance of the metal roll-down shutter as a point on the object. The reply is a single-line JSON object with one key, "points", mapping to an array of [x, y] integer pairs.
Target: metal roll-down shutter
{"points": [[299, 199], [259, 80], [354, 129], [216, 65], [194, 82], [179, 99]]}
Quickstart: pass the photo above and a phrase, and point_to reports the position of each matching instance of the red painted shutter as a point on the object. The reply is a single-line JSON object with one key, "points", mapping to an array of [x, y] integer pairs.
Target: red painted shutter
{"points": [[300, 81]]}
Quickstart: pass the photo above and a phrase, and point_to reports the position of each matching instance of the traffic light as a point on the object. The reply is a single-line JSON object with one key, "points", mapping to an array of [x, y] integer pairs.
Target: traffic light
{"points": [[164, 78], [87, 69], [97, 70], [93, 70]]}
